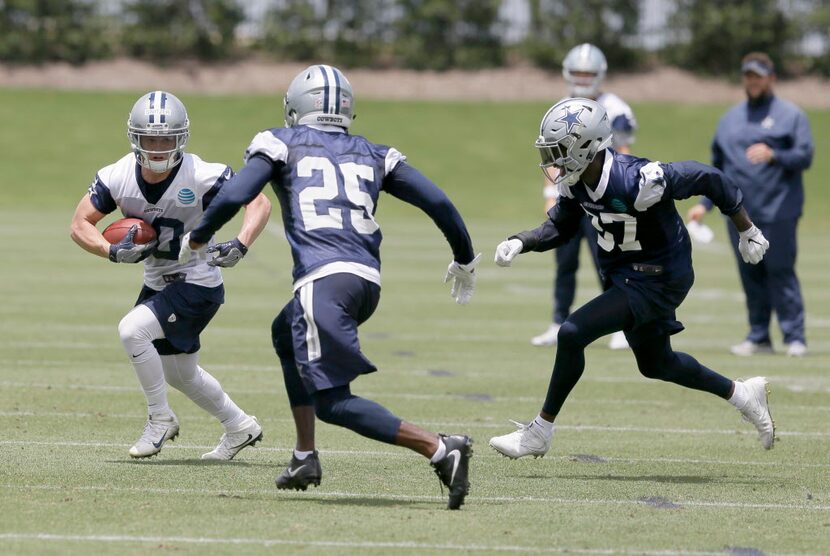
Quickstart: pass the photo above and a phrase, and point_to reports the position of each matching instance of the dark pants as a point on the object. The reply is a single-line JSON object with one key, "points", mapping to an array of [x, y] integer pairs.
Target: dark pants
{"points": [[567, 265], [772, 284], [650, 342], [315, 337]]}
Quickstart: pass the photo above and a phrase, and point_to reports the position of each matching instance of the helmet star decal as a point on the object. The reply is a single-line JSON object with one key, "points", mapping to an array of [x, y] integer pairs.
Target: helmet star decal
{"points": [[570, 119]]}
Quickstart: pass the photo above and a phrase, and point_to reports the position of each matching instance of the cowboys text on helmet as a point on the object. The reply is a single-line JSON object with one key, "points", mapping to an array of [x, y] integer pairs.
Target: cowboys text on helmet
{"points": [[321, 95]]}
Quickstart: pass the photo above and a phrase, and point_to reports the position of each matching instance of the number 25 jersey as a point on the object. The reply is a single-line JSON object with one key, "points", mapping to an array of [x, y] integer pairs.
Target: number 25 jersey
{"points": [[328, 183]]}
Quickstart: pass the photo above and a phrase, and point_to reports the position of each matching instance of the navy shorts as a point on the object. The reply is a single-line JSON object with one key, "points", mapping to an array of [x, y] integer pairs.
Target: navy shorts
{"points": [[653, 300], [183, 310], [326, 314]]}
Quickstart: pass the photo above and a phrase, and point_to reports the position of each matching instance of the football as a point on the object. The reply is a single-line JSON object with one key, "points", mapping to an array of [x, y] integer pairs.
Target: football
{"points": [[116, 231]]}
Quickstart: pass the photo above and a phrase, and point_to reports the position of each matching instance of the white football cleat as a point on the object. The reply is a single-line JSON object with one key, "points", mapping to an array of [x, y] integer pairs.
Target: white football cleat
{"points": [[528, 440], [548, 337], [796, 349], [232, 443], [618, 341], [748, 348], [157, 431], [756, 410]]}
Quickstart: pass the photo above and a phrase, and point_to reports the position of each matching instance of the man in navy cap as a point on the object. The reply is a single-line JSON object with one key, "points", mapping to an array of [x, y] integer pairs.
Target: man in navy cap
{"points": [[765, 144]]}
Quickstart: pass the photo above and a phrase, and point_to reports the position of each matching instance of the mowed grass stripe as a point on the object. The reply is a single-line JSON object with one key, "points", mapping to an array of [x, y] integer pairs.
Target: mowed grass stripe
{"points": [[384, 546], [322, 495]]}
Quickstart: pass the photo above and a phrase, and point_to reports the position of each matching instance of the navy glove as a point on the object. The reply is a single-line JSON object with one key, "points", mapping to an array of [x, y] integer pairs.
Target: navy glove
{"points": [[126, 251], [229, 253]]}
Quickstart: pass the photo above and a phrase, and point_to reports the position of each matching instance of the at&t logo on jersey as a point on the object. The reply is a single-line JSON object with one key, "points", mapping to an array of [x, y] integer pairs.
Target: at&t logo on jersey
{"points": [[185, 197]]}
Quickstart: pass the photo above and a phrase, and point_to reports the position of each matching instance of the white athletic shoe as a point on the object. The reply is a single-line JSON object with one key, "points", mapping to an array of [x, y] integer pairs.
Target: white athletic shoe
{"points": [[548, 337], [756, 410], [232, 443], [618, 341], [748, 347], [157, 431], [796, 349], [528, 440]]}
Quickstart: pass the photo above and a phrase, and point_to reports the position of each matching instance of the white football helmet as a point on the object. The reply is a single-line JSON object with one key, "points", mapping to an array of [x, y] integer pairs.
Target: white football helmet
{"points": [[319, 94], [585, 58], [158, 114], [572, 132]]}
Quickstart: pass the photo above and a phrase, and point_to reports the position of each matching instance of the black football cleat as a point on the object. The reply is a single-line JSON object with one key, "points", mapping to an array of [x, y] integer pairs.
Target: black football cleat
{"points": [[453, 468], [301, 473]]}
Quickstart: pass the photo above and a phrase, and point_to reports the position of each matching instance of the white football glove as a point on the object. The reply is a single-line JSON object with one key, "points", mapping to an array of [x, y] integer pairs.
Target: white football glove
{"points": [[507, 251], [186, 252], [464, 280], [752, 245]]}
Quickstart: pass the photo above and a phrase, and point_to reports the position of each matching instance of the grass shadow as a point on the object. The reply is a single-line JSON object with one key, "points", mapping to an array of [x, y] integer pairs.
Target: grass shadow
{"points": [[188, 462]]}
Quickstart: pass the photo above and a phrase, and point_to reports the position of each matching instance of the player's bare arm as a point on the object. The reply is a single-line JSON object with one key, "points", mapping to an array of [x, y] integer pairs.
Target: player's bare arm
{"points": [[228, 253], [83, 230], [254, 220]]}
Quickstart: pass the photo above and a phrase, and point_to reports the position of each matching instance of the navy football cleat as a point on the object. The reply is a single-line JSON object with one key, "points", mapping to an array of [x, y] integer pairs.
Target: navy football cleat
{"points": [[453, 468], [301, 473]]}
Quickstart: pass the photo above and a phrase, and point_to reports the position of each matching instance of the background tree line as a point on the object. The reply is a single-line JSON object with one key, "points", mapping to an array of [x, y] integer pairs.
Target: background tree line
{"points": [[705, 37]]}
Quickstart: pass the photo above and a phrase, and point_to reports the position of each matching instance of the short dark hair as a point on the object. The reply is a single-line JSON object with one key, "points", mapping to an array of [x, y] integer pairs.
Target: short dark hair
{"points": [[755, 61]]}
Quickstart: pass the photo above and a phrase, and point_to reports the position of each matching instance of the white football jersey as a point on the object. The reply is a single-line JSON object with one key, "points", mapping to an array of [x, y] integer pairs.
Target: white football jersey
{"points": [[621, 117], [173, 207]]}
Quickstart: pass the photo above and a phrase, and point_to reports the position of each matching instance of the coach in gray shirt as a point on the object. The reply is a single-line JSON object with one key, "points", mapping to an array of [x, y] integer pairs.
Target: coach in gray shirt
{"points": [[765, 144]]}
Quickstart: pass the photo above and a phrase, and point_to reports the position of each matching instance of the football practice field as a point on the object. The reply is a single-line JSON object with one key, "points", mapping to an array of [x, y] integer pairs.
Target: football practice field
{"points": [[636, 466]]}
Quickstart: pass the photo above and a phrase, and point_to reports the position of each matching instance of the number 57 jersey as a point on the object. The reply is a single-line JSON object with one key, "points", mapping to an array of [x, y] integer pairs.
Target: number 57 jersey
{"points": [[639, 230], [328, 183]]}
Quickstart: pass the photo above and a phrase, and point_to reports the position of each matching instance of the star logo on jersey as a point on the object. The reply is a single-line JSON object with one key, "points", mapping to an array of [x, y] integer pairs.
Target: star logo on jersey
{"points": [[767, 122], [570, 119]]}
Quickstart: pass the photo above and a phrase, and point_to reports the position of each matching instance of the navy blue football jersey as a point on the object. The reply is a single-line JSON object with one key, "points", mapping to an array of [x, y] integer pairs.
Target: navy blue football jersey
{"points": [[632, 208], [328, 188], [328, 183]]}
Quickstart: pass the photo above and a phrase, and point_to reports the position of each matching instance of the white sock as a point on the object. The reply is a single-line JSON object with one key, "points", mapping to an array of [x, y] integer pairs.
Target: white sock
{"points": [[439, 453], [302, 455], [184, 374], [137, 330], [739, 395], [546, 426]]}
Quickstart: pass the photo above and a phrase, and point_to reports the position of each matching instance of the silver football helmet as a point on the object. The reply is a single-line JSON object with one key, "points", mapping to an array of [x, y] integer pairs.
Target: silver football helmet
{"points": [[572, 132], [319, 94], [158, 129], [584, 59]]}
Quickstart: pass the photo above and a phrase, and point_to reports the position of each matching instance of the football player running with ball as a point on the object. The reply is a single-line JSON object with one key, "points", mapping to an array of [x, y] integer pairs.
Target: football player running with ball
{"points": [[328, 183], [170, 189], [645, 261]]}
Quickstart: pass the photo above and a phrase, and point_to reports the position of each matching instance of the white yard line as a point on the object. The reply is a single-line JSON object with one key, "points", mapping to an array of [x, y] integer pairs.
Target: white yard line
{"points": [[401, 453]]}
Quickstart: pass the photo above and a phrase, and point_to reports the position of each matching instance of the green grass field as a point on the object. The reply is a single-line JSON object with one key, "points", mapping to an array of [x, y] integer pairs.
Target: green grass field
{"points": [[637, 467]]}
